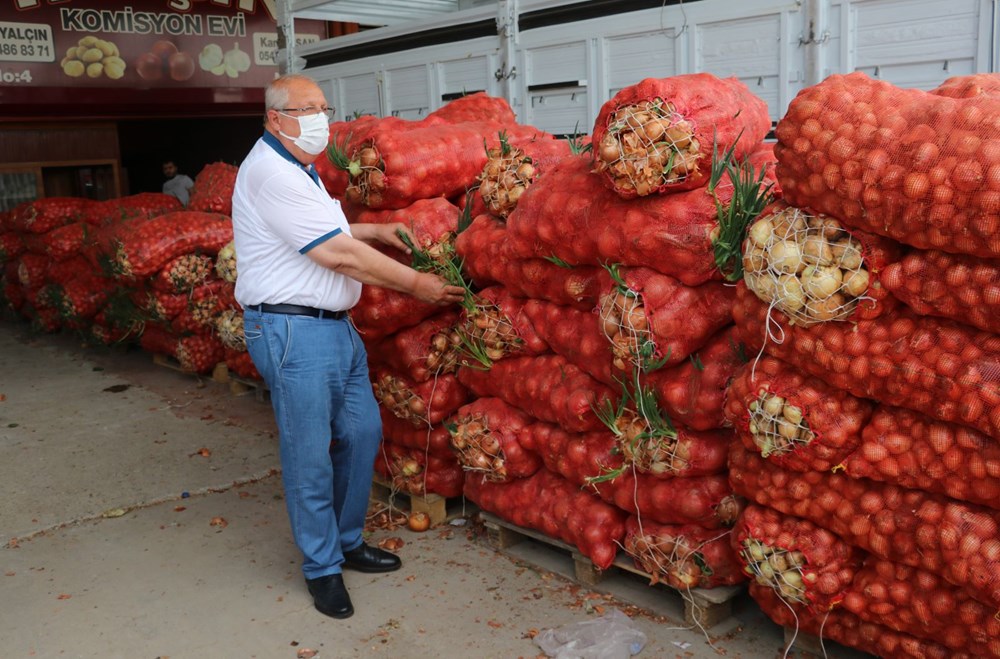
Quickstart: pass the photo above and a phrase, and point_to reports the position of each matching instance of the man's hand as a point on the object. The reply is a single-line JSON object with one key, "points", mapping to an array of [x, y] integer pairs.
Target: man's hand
{"points": [[387, 235], [435, 290]]}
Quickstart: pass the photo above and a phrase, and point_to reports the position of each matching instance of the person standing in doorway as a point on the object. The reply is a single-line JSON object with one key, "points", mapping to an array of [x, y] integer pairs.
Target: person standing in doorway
{"points": [[178, 185], [302, 267]]}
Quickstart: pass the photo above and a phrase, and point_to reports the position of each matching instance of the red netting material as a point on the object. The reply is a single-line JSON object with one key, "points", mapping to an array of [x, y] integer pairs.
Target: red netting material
{"points": [[213, 189], [420, 403], [575, 335], [935, 366], [11, 246], [917, 167], [497, 323], [912, 450], [550, 504], [149, 245], [657, 136], [934, 283], [548, 388], [66, 241], [478, 106], [410, 470], [968, 86], [793, 420], [436, 440], [44, 215], [424, 350], [807, 566], [958, 541], [671, 234], [241, 364], [486, 434], [682, 556], [512, 168], [183, 273]]}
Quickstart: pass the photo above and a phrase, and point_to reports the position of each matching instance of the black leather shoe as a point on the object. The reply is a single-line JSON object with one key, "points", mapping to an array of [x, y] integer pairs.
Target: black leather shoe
{"points": [[365, 558], [330, 596]]}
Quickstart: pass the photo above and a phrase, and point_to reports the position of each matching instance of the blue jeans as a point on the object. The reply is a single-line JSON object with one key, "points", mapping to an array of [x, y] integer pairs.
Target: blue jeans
{"points": [[329, 427]]}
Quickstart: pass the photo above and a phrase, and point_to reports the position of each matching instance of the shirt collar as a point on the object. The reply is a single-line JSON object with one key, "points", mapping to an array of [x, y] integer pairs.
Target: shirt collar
{"points": [[276, 144]]}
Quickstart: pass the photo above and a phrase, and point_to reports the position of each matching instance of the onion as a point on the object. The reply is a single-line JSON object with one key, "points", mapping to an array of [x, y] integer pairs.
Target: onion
{"points": [[761, 231], [821, 282], [789, 292], [856, 283], [786, 257], [418, 522]]}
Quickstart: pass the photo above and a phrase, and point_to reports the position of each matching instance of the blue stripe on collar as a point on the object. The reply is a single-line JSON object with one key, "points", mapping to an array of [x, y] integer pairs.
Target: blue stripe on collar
{"points": [[276, 144]]}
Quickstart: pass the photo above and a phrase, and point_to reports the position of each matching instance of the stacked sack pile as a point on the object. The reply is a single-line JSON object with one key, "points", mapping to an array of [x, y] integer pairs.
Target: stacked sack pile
{"points": [[141, 268], [870, 419], [417, 173]]}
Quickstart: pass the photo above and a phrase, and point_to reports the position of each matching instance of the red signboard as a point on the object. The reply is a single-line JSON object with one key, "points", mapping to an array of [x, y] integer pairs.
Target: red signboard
{"points": [[142, 44]]}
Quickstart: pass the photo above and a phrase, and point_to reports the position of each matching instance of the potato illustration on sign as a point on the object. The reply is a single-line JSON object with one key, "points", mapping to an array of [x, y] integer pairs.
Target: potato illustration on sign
{"points": [[232, 62], [163, 59], [94, 57]]}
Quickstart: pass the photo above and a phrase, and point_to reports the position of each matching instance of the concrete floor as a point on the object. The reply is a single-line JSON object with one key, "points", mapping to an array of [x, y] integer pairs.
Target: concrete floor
{"points": [[121, 536]]}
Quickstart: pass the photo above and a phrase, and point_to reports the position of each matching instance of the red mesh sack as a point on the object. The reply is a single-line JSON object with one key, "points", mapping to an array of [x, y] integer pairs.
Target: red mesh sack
{"points": [[158, 340], [912, 450], [432, 221], [807, 566], [917, 167], [60, 272], [959, 541], [414, 472], [423, 351], [341, 133], [240, 363], [934, 283], [213, 189], [183, 273], [575, 335], [939, 367], [31, 270], [651, 318], [968, 86], [547, 503], [511, 168], [485, 259], [486, 435], [420, 403], [10, 287], [848, 629], [548, 388], [795, 421], [392, 169], [478, 106], [11, 246], [80, 298], [162, 306], [435, 440], [44, 215], [658, 135], [381, 312], [672, 234], [694, 391], [495, 326], [66, 241], [197, 317], [148, 246], [682, 557], [200, 353], [813, 270], [144, 204], [922, 604]]}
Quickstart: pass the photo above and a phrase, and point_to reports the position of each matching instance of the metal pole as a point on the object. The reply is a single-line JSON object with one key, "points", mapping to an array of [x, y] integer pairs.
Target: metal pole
{"points": [[286, 37]]}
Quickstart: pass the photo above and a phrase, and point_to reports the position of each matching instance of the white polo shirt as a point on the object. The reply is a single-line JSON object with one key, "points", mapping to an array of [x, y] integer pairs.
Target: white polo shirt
{"points": [[279, 214]]}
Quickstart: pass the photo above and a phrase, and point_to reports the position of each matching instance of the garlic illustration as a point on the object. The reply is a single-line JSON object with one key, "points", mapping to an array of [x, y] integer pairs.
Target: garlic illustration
{"points": [[210, 58], [236, 61]]}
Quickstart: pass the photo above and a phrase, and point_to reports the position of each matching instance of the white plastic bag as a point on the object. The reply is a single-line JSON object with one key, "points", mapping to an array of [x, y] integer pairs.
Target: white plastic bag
{"points": [[610, 636]]}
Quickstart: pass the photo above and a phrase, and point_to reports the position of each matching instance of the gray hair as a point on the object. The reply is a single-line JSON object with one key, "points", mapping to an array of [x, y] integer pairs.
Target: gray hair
{"points": [[276, 95]]}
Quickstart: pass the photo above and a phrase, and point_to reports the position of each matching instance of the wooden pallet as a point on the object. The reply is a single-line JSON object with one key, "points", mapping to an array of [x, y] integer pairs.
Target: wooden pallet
{"points": [[240, 386], [437, 507], [705, 608]]}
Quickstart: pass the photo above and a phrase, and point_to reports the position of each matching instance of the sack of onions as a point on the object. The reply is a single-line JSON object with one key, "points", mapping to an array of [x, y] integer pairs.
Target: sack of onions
{"points": [[411, 471], [849, 630], [495, 325], [433, 222], [547, 387], [32, 270], [512, 168], [80, 299], [341, 133], [381, 312], [182, 274], [813, 270], [229, 328], [436, 440], [935, 283], [420, 403], [658, 135], [653, 320], [240, 363], [704, 500], [675, 234], [807, 566], [936, 366], [213, 189], [43, 215], [11, 246], [682, 557], [796, 421], [968, 86], [922, 604], [483, 248], [550, 504], [162, 306], [423, 351], [225, 263], [693, 392], [573, 334], [479, 106], [148, 245], [389, 168], [912, 450], [65, 242], [956, 540], [918, 167], [486, 436]]}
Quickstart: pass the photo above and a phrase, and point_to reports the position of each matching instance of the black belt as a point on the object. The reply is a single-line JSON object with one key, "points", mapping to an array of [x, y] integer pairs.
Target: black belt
{"points": [[299, 310]]}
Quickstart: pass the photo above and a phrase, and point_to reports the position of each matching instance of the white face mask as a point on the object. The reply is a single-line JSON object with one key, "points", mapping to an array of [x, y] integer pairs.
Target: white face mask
{"points": [[314, 133]]}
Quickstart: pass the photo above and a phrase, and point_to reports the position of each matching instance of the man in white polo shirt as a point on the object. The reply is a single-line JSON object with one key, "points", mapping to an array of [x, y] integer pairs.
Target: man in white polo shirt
{"points": [[301, 267]]}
